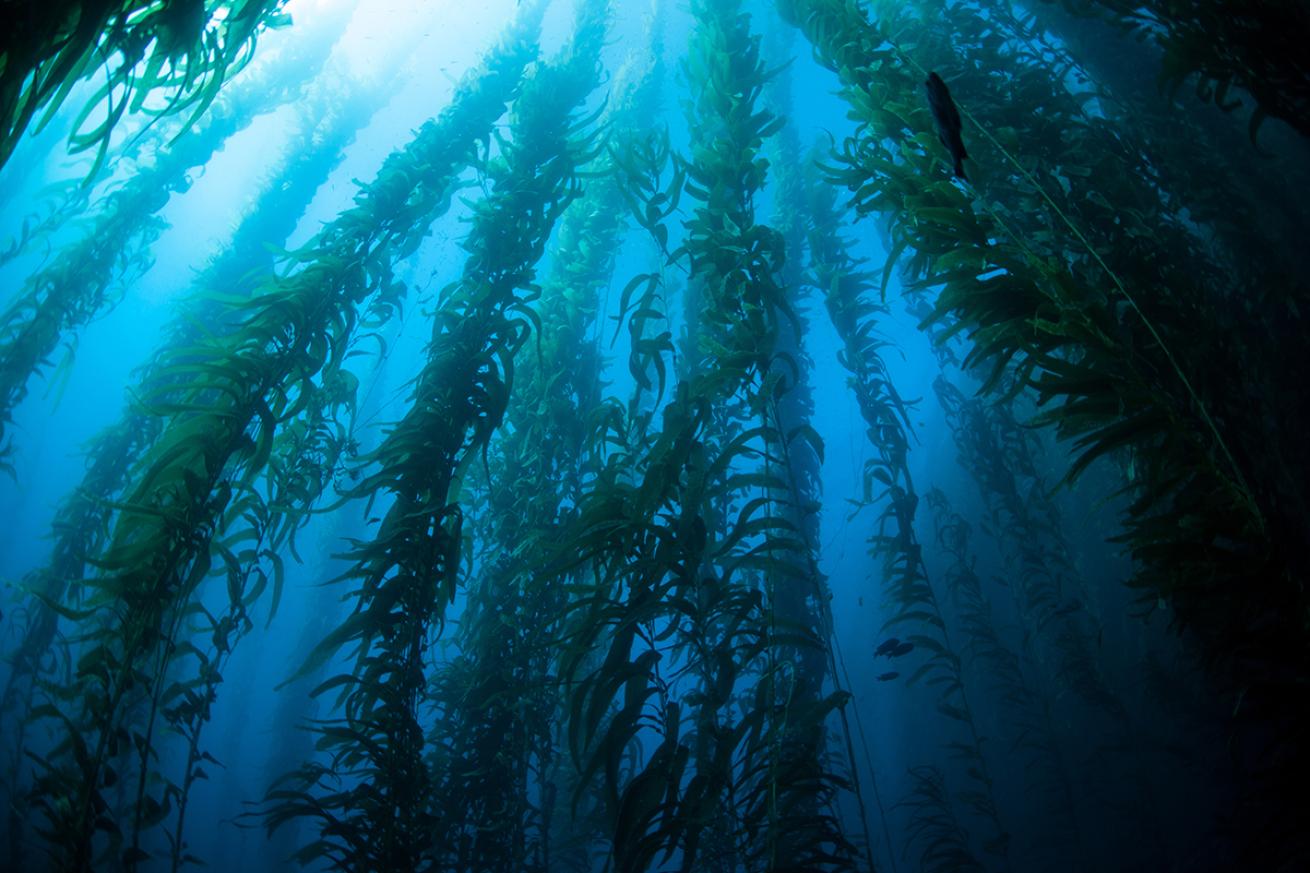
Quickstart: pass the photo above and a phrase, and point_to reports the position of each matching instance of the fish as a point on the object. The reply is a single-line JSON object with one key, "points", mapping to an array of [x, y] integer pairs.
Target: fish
{"points": [[886, 647], [887, 677], [947, 117], [893, 648]]}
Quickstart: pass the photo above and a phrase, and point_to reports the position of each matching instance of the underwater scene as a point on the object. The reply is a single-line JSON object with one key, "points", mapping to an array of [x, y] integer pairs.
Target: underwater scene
{"points": [[600, 436]]}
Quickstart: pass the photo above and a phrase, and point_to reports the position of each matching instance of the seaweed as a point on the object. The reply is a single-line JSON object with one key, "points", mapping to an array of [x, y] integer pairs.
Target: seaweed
{"points": [[1032, 727], [847, 290], [1021, 266], [185, 48], [585, 621], [498, 702], [88, 277], [205, 461], [1223, 47], [408, 573]]}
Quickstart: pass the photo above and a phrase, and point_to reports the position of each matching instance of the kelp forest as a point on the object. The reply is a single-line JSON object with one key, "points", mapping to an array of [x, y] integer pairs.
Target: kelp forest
{"points": [[601, 436]]}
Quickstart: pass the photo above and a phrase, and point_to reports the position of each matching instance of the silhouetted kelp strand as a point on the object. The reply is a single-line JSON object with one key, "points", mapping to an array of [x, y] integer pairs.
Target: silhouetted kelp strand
{"points": [[730, 259], [187, 50], [1047, 581], [267, 347], [76, 288], [934, 823], [1055, 620], [848, 298], [793, 412], [1033, 727], [501, 687], [807, 605]]}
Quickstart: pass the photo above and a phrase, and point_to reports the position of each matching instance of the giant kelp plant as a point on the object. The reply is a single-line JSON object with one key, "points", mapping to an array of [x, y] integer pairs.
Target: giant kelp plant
{"points": [[667, 459]]}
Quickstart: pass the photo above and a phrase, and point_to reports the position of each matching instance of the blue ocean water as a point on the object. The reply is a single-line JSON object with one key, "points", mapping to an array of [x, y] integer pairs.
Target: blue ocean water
{"points": [[615, 436]]}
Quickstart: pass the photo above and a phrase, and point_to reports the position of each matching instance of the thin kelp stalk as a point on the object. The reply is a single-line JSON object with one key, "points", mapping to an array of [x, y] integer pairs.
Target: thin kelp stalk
{"points": [[805, 602], [184, 49], [1051, 598], [307, 454], [233, 390], [1031, 729], [1229, 560], [848, 296], [935, 826], [80, 284], [408, 573], [617, 617]]}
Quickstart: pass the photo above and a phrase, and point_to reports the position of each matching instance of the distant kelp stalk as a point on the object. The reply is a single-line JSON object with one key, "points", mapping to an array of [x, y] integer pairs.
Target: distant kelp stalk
{"points": [[498, 705], [678, 640]]}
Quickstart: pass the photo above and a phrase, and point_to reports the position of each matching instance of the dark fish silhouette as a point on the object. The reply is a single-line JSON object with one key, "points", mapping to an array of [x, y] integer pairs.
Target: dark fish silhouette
{"points": [[887, 647], [947, 117], [893, 648], [887, 677]]}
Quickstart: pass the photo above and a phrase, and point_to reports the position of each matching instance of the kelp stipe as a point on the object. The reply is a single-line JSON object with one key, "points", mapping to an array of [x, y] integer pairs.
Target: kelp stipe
{"points": [[794, 413], [1059, 624], [907, 589], [1031, 727], [498, 729], [674, 526]]}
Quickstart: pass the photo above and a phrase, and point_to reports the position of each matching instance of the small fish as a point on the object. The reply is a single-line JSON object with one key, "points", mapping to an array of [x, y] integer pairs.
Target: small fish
{"points": [[887, 647], [947, 117], [887, 677], [901, 651]]}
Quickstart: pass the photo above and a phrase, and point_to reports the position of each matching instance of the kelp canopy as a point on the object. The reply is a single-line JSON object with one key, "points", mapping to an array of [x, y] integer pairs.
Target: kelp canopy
{"points": [[611, 435]]}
